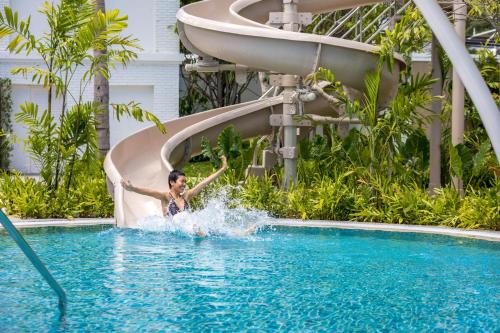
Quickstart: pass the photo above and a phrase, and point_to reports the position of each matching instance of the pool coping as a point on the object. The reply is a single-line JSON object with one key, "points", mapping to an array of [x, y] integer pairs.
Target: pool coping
{"points": [[43, 223], [489, 235]]}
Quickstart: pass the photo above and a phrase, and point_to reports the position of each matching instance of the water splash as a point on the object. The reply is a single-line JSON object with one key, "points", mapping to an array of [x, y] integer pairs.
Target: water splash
{"points": [[216, 218]]}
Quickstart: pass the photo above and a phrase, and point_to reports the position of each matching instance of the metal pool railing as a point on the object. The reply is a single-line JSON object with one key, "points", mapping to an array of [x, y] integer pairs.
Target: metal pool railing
{"points": [[35, 260]]}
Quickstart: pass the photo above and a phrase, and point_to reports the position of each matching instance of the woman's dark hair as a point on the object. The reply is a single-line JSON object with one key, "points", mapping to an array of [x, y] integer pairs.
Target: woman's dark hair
{"points": [[173, 176]]}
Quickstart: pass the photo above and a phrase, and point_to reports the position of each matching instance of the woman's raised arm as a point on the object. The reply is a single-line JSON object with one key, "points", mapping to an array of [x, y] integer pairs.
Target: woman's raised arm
{"points": [[142, 190], [197, 189]]}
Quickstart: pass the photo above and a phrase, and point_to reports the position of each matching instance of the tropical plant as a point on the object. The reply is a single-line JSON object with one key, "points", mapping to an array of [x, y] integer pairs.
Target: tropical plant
{"points": [[26, 197], [229, 143], [75, 28], [473, 161], [487, 11], [261, 193], [347, 196], [5, 123], [379, 171], [410, 34], [389, 139]]}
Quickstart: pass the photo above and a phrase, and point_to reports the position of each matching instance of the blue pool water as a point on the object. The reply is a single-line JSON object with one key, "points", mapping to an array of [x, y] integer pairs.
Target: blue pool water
{"points": [[284, 279]]}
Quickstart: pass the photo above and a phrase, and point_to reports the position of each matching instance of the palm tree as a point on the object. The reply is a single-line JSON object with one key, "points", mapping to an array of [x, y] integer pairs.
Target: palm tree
{"points": [[101, 93], [75, 28]]}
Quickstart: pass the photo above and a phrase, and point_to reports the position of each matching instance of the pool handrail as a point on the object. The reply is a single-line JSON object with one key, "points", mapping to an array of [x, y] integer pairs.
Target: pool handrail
{"points": [[35, 260]]}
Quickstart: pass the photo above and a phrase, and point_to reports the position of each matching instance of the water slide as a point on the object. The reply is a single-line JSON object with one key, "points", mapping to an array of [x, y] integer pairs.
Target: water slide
{"points": [[236, 31]]}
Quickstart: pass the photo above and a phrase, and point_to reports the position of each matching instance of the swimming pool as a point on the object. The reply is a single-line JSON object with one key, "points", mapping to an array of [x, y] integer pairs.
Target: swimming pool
{"points": [[282, 279]]}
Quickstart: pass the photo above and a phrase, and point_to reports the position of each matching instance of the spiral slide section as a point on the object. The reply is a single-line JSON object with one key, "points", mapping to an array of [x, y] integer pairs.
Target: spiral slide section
{"points": [[236, 31]]}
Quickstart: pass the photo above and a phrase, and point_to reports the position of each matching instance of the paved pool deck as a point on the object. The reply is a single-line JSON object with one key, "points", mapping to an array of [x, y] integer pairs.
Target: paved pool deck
{"points": [[479, 234]]}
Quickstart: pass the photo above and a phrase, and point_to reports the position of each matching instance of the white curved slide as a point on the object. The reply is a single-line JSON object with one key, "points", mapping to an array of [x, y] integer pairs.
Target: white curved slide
{"points": [[235, 31]]}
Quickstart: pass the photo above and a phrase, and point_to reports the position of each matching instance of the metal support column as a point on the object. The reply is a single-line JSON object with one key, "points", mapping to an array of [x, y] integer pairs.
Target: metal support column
{"points": [[457, 115], [289, 151], [290, 18]]}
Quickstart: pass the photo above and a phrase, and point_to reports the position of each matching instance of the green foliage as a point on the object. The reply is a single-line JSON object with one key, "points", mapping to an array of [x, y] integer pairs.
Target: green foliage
{"points": [[5, 123], [75, 29], [352, 195], [476, 141], [474, 167], [212, 90], [208, 152], [389, 140], [229, 144], [74, 140], [410, 34], [485, 15], [379, 172], [262, 194], [40, 137], [198, 169], [26, 197], [480, 209], [489, 68], [134, 110], [193, 100], [332, 199]]}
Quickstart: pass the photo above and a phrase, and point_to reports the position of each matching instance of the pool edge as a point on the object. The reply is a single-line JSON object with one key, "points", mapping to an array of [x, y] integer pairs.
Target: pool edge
{"points": [[43, 223], [488, 235]]}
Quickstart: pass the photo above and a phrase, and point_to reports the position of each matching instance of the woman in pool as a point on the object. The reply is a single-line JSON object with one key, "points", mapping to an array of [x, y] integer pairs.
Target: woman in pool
{"points": [[176, 200]]}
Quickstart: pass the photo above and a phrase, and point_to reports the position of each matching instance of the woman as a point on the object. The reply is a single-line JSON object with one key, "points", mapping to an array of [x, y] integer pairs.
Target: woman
{"points": [[176, 200]]}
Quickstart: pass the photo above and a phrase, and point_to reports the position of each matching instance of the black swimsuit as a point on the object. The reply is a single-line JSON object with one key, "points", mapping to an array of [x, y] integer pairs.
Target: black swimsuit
{"points": [[173, 208]]}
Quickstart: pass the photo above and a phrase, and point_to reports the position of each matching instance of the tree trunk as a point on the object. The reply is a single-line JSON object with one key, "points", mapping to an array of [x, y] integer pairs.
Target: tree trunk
{"points": [[435, 130], [101, 95]]}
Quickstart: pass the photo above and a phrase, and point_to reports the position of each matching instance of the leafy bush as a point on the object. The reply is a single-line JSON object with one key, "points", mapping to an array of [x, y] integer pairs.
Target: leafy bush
{"points": [[27, 197], [480, 209], [230, 144], [5, 123], [261, 193], [56, 145], [354, 196]]}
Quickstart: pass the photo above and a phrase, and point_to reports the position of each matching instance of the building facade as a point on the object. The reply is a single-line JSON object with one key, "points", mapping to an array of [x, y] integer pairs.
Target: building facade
{"points": [[152, 79]]}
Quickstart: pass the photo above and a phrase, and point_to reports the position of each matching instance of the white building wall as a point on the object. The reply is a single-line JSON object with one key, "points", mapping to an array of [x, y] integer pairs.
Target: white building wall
{"points": [[152, 80]]}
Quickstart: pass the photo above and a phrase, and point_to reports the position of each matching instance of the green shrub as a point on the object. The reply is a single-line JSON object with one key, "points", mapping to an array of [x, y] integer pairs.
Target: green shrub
{"points": [[442, 208], [355, 195], [332, 199], [24, 196], [5, 123], [261, 193], [27, 197], [298, 201], [480, 209]]}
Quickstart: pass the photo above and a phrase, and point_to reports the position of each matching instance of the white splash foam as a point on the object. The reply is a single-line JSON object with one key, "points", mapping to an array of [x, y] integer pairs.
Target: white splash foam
{"points": [[215, 219]]}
